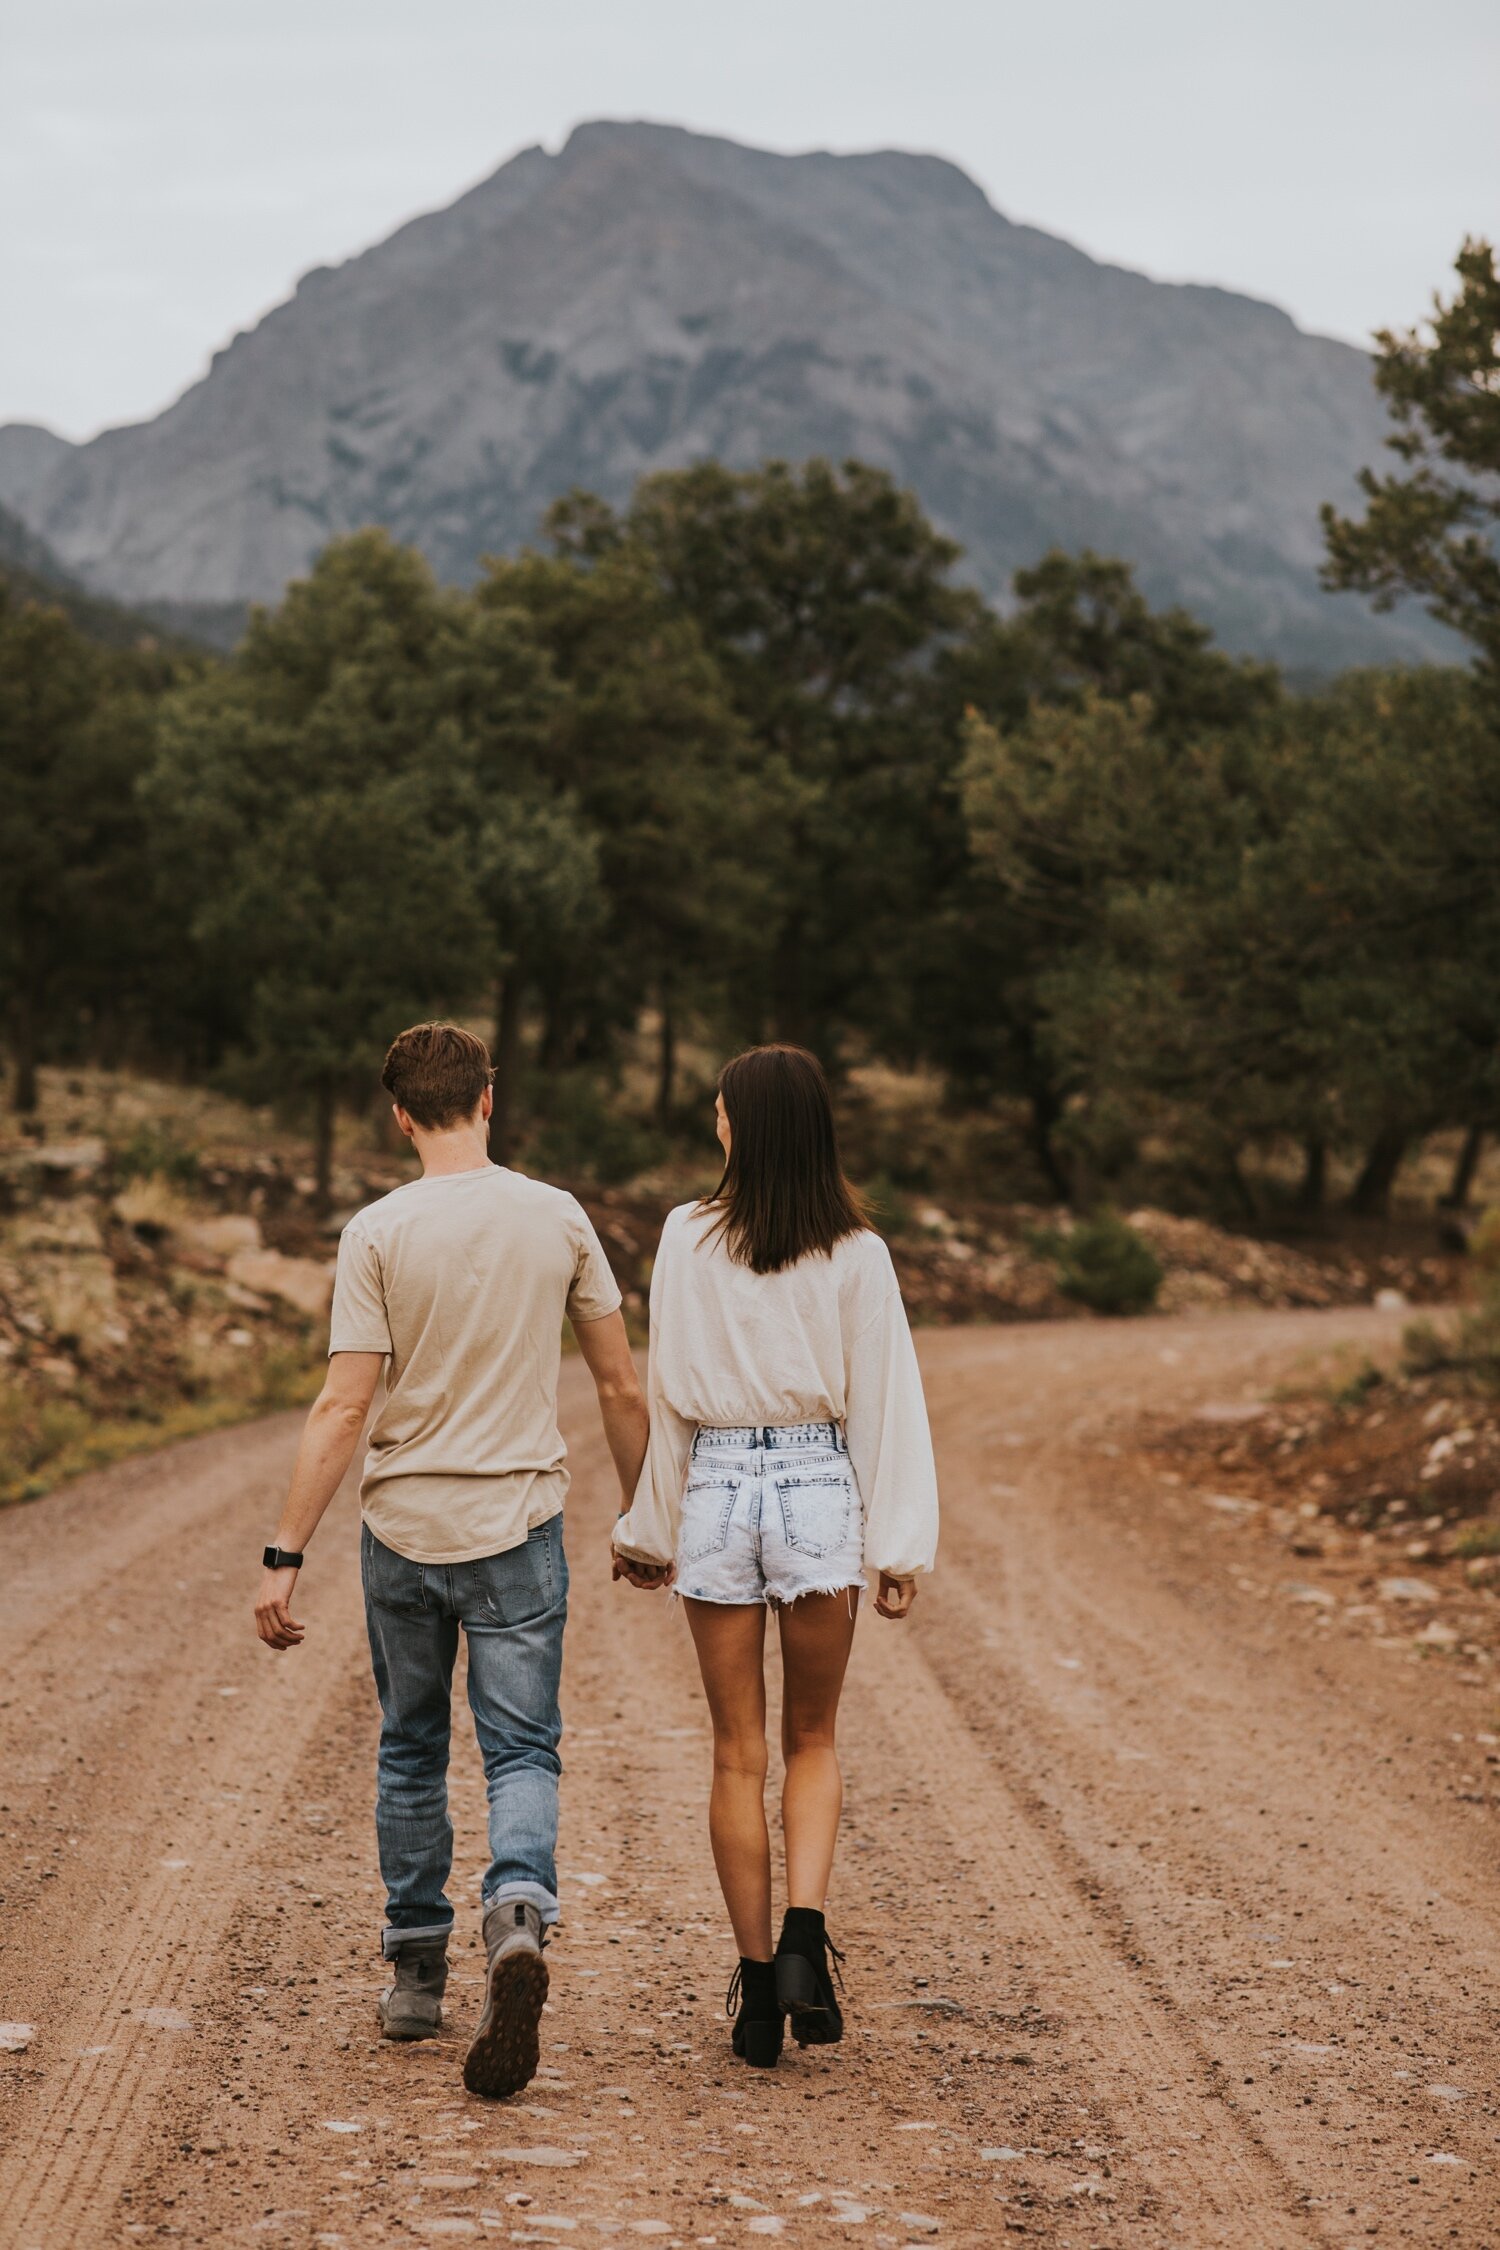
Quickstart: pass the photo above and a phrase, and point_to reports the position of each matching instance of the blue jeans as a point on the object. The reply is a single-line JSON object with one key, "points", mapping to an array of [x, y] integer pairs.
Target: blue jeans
{"points": [[512, 1607]]}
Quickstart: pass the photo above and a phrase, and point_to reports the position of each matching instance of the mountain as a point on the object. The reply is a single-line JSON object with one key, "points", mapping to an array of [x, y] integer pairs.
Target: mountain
{"points": [[650, 296], [30, 572]]}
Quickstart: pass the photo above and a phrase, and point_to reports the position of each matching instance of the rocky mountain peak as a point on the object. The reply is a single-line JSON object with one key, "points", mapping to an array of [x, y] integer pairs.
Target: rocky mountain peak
{"points": [[647, 296]]}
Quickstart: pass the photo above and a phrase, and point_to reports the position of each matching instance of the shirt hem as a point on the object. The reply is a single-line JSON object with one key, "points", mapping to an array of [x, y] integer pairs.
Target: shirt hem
{"points": [[466, 1554]]}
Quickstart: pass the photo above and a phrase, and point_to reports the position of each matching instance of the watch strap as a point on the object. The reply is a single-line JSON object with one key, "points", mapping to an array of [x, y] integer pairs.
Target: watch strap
{"points": [[281, 1558]]}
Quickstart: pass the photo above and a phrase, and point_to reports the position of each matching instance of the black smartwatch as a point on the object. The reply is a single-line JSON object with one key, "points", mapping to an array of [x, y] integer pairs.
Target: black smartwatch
{"points": [[277, 1558]]}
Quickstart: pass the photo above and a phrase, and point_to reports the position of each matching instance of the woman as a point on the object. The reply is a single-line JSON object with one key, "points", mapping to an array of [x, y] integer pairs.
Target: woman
{"points": [[789, 1452]]}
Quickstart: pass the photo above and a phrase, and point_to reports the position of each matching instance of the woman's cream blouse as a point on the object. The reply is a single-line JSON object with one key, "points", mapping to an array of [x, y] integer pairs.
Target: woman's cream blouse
{"points": [[824, 1340]]}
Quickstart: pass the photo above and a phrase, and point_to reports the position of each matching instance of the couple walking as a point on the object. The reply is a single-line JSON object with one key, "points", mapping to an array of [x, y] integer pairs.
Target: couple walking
{"points": [[783, 1452]]}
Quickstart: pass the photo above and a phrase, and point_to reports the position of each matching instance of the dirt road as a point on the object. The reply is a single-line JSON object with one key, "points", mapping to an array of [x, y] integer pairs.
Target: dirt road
{"points": [[1165, 1921]]}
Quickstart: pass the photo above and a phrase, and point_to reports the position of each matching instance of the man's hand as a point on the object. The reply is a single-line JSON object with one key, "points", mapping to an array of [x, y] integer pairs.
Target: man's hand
{"points": [[330, 1436], [895, 1596], [651, 1577], [273, 1617]]}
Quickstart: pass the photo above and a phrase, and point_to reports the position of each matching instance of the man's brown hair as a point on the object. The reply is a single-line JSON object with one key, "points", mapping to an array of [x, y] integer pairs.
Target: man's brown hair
{"points": [[437, 1074]]}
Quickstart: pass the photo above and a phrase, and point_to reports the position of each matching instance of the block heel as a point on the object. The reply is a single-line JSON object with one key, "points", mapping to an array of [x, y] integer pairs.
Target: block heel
{"points": [[807, 1963], [757, 2034], [762, 2043], [797, 1984]]}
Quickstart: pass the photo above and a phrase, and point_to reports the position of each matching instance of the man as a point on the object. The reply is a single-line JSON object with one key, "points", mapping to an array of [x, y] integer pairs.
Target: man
{"points": [[457, 1285]]}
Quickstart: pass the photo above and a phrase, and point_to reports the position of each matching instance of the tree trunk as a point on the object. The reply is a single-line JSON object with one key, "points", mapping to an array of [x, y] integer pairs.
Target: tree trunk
{"points": [[666, 1057], [1046, 1109], [23, 1089], [789, 1004], [1457, 1197], [1371, 1193], [557, 1028], [1313, 1190], [1244, 1194], [323, 1148], [1045, 1106], [509, 1014]]}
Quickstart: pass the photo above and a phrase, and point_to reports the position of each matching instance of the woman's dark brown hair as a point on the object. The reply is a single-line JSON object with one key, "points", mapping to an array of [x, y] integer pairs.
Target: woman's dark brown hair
{"points": [[783, 1193]]}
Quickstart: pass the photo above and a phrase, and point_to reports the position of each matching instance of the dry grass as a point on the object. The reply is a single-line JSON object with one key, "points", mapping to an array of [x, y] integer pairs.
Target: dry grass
{"points": [[44, 1442]]}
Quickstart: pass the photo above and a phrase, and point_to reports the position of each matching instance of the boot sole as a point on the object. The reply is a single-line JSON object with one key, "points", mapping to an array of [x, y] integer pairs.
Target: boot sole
{"points": [[507, 2045], [813, 2022], [816, 2027], [404, 2034]]}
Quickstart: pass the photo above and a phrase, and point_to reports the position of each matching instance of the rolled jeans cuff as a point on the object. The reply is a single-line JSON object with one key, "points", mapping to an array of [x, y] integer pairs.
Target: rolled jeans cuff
{"points": [[531, 1894], [392, 1939]]}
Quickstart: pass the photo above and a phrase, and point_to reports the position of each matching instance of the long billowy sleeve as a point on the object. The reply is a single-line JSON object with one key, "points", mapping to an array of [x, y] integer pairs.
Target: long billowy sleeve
{"points": [[890, 1444], [648, 1530]]}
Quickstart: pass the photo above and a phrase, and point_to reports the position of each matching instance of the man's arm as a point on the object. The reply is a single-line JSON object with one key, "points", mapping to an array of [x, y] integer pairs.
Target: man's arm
{"points": [[329, 1439], [622, 1405]]}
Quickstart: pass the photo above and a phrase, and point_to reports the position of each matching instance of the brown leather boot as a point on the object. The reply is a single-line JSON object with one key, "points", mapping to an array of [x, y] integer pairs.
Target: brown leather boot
{"points": [[507, 2044], [413, 2008]]}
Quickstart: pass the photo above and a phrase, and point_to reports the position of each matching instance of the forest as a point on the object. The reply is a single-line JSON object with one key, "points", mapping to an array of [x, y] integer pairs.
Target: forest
{"points": [[748, 760]]}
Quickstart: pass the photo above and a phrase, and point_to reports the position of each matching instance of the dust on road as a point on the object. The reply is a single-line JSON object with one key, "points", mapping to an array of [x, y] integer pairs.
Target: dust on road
{"points": [[1162, 1925]]}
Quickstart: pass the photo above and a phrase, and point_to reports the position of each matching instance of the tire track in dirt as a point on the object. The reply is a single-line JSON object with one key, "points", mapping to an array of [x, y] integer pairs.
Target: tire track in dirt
{"points": [[147, 1884], [1246, 1802], [1157, 2086]]}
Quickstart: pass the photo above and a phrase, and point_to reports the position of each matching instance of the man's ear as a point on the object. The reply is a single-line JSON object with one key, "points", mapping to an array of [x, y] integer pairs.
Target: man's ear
{"points": [[403, 1120], [487, 1103]]}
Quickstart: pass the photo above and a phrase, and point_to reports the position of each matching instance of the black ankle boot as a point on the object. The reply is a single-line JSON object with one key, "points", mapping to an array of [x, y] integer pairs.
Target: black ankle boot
{"points": [[757, 2027], [806, 1964]]}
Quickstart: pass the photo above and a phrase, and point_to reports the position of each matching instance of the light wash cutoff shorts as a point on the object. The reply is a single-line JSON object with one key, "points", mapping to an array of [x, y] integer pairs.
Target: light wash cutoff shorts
{"points": [[770, 1514]]}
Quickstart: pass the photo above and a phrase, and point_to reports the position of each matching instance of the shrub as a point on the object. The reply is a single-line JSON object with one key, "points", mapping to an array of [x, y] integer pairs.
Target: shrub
{"points": [[889, 1206], [1470, 1346], [587, 1135], [1102, 1263], [1477, 1539], [153, 1152], [1356, 1388], [1484, 1245]]}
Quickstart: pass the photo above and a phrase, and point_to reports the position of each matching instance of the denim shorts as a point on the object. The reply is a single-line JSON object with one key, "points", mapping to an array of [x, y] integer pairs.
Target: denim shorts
{"points": [[770, 1514]]}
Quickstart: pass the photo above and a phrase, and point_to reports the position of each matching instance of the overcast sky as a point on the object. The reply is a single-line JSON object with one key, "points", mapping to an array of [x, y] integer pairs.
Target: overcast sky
{"points": [[168, 167]]}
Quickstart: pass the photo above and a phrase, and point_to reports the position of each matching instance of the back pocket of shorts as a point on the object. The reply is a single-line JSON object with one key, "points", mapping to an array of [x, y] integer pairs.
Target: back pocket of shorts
{"points": [[707, 1511], [817, 1510]]}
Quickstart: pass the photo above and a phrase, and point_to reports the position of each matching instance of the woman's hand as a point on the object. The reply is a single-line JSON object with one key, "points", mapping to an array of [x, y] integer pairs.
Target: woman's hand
{"points": [[895, 1596]]}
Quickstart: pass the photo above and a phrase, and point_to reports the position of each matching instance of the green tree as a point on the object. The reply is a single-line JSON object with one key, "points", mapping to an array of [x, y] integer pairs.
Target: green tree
{"points": [[81, 929], [824, 596], [655, 764], [1077, 802], [319, 800], [538, 865], [1396, 845], [1324, 960], [1429, 529], [1082, 636], [1082, 626]]}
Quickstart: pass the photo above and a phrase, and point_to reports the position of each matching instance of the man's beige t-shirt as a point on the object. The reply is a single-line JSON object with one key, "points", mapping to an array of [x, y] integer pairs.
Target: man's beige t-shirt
{"points": [[463, 1281]]}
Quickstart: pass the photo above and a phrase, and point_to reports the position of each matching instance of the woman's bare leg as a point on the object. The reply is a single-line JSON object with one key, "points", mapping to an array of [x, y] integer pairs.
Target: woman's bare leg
{"points": [[817, 1634], [730, 1639]]}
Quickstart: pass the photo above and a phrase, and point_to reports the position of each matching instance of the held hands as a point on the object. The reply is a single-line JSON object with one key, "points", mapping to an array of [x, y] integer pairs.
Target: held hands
{"points": [[273, 1617], [895, 1596], [650, 1577]]}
